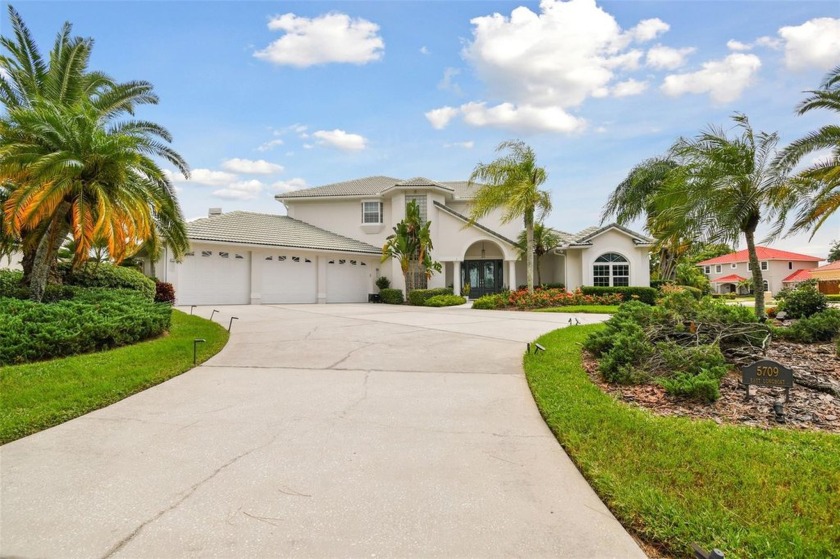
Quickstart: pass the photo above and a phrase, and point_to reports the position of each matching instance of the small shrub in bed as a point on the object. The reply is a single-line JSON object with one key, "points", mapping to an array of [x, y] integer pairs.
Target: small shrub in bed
{"points": [[804, 301], [391, 296], [94, 274], [383, 283], [643, 294], [164, 292], [419, 296], [821, 327], [444, 301]]}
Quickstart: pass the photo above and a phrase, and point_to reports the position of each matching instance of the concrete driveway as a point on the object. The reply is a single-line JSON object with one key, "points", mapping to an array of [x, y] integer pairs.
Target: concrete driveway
{"points": [[320, 431]]}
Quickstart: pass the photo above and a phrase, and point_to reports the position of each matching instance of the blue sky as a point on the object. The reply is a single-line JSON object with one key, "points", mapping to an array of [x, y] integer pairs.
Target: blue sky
{"points": [[263, 97]]}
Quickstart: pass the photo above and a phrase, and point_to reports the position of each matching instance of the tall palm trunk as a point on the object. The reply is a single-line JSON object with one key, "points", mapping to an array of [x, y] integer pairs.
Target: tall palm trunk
{"points": [[47, 250], [529, 252], [758, 280]]}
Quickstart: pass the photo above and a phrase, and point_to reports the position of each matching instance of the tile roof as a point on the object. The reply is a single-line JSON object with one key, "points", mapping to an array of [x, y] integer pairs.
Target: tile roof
{"points": [[833, 266], [797, 276], [731, 278], [272, 230], [764, 253], [585, 236], [374, 186]]}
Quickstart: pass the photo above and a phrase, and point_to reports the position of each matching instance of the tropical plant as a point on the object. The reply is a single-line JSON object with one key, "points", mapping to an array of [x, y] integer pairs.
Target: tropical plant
{"points": [[511, 183], [819, 183], [61, 128], [545, 239], [411, 245], [834, 251]]}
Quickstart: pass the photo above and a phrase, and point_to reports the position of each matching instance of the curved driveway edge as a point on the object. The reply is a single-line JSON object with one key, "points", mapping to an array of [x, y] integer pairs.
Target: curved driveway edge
{"points": [[319, 431]]}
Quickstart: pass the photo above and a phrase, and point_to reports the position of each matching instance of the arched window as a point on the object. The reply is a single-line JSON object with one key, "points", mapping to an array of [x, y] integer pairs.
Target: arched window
{"points": [[766, 286], [611, 270]]}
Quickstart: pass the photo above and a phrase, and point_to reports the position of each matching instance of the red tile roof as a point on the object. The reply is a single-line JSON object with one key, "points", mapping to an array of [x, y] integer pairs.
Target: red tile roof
{"points": [[833, 266], [797, 276], [731, 278], [764, 253]]}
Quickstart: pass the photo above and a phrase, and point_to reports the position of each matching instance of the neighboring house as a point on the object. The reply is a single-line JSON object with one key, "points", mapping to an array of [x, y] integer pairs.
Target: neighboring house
{"points": [[328, 248], [778, 267], [828, 277]]}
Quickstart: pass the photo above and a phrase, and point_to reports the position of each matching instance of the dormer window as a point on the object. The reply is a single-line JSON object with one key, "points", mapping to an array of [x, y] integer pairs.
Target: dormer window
{"points": [[372, 212]]}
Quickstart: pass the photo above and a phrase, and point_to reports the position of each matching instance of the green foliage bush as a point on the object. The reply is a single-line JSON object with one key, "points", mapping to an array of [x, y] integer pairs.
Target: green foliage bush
{"points": [[821, 327], [11, 286], [444, 301], [833, 298], [802, 301], [94, 274], [542, 299], [629, 349], [490, 302], [704, 386], [643, 294], [95, 319], [383, 283], [391, 296], [419, 296]]}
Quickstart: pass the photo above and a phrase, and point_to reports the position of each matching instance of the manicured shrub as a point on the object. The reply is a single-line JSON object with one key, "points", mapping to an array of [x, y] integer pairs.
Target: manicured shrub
{"points": [[621, 363], [833, 298], [541, 299], [490, 302], [383, 283], [444, 301], [419, 296], [95, 319], [704, 387], [10, 282], [643, 294], [391, 296], [94, 274], [164, 292], [821, 327], [10, 286], [803, 301]]}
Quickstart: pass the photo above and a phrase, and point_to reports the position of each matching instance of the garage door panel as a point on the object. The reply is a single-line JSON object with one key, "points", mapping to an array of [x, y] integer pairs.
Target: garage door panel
{"points": [[214, 277], [348, 280], [289, 279]]}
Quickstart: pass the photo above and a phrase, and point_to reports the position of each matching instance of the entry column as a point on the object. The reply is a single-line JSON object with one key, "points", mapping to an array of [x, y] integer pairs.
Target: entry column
{"points": [[511, 279], [456, 277]]}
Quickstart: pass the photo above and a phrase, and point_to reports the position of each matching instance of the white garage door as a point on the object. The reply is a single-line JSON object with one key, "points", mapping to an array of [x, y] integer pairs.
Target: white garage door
{"points": [[289, 278], [347, 280], [214, 277]]}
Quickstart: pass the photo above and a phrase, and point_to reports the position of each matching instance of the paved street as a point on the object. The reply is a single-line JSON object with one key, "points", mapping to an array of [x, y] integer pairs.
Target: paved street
{"points": [[320, 431]]}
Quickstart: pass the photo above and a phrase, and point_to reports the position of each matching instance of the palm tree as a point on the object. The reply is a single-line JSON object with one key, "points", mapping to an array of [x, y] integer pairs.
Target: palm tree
{"points": [[511, 183], [81, 175], [819, 184], [545, 239], [730, 186], [63, 88], [411, 246]]}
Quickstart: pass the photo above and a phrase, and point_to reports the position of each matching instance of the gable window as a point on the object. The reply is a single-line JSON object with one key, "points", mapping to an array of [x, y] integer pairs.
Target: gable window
{"points": [[372, 212], [611, 270], [718, 269], [421, 204], [708, 270], [764, 266], [790, 265]]}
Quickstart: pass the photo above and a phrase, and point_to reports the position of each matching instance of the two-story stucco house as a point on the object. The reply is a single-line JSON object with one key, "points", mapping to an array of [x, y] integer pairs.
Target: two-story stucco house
{"points": [[779, 269], [327, 248]]}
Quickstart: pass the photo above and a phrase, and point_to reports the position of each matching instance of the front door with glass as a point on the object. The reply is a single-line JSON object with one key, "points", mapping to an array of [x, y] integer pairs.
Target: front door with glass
{"points": [[483, 276]]}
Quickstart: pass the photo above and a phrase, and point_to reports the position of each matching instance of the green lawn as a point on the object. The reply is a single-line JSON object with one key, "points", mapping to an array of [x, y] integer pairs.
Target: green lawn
{"points": [[749, 492], [39, 395], [595, 309]]}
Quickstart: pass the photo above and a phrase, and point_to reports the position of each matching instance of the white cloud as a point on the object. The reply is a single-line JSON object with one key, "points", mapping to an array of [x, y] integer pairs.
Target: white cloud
{"points": [[440, 118], [559, 57], [424, 50], [629, 87], [523, 118], [466, 145], [270, 145], [732, 44], [292, 184], [333, 37], [203, 176], [814, 44], [447, 83], [769, 42], [240, 190], [667, 58], [340, 139], [251, 167], [649, 29], [724, 80]]}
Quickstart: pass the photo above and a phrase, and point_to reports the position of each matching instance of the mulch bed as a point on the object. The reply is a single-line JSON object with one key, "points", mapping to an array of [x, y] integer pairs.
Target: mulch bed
{"points": [[807, 409]]}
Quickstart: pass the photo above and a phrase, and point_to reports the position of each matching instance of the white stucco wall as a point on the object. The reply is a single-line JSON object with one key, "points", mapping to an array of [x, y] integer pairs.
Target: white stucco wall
{"points": [[620, 243], [12, 262]]}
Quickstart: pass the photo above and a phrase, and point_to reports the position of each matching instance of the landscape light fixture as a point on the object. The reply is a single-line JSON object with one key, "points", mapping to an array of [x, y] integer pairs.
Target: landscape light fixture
{"points": [[195, 349], [779, 410], [537, 348], [577, 322], [192, 308], [231, 321], [212, 313]]}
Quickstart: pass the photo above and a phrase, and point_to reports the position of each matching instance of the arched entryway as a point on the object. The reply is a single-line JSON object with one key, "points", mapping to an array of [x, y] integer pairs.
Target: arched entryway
{"points": [[483, 269]]}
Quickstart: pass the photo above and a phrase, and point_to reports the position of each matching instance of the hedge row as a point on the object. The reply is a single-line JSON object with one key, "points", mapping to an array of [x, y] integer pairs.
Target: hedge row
{"points": [[444, 301], [94, 274], [391, 296], [95, 319], [419, 296], [643, 294]]}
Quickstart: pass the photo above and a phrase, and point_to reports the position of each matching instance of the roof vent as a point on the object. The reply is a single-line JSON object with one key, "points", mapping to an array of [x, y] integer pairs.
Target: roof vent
{"points": [[214, 212]]}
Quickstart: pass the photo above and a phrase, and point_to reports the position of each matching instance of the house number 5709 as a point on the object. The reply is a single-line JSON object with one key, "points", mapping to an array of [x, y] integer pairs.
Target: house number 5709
{"points": [[767, 371]]}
